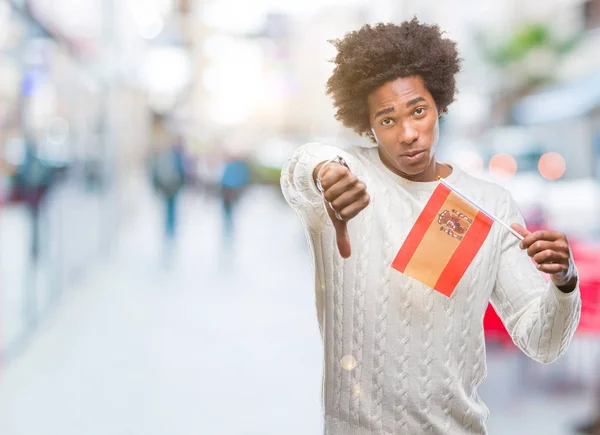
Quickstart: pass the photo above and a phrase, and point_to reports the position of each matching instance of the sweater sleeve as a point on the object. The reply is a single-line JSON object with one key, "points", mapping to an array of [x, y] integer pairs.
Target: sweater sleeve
{"points": [[539, 317], [298, 186]]}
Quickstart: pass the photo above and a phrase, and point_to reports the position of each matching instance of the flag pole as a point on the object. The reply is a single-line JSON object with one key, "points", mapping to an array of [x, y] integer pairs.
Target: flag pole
{"points": [[491, 216]]}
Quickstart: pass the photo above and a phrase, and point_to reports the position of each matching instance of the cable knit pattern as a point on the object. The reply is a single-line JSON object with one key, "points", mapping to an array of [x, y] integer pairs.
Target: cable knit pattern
{"points": [[381, 319], [549, 312], [337, 336], [426, 375], [572, 322], [402, 355], [420, 355], [467, 319], [448, 392], [359, 315], [465, 339], [402, 381], [478, 361]]}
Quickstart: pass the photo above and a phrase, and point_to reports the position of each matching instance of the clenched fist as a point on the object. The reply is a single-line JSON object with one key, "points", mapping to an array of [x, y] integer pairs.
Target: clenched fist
{"points": [[345, 196]]}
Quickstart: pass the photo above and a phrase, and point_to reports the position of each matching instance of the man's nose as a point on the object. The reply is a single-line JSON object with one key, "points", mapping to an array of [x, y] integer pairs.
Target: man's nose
{"points": [[408, 134]]}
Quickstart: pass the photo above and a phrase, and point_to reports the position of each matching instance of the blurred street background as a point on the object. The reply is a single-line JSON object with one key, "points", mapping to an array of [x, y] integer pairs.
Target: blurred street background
{"points": [[153, 280]]}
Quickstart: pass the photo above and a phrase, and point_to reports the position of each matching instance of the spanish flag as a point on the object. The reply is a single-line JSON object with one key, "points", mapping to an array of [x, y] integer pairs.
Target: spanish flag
{"points": [[444, 240]]}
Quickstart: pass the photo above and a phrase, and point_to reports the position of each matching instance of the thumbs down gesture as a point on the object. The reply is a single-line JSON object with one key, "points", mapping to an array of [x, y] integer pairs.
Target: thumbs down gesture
{"points": [[345, 197]]}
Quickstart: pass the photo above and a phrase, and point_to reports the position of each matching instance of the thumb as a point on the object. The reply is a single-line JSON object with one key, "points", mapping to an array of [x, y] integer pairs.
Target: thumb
{"points": [[521, 230], [341, 234]]}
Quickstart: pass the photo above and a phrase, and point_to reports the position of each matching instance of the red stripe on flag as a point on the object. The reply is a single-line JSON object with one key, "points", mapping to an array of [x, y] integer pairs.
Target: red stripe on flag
{"points": [[464, 254], [429, 213]]}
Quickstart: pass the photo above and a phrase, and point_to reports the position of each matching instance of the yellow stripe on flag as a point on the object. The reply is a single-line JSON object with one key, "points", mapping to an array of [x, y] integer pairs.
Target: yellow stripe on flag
{"points": [[437, 247]]}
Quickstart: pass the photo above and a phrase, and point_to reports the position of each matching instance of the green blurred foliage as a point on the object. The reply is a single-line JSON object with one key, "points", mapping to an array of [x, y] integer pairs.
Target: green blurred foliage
{"points": [[262, 174], [527, 38], [526, 60]]}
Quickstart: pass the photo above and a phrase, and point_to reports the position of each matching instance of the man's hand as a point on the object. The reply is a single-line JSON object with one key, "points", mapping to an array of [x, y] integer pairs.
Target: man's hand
{"points": [[551, 253], [345, 196]]}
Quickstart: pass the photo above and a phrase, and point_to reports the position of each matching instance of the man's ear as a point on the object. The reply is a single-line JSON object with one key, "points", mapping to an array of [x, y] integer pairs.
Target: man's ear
{"points": [[372, 136]]}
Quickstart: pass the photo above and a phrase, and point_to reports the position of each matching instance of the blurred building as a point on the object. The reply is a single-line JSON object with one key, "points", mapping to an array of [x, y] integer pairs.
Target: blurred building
{"points": [[75, 92]]}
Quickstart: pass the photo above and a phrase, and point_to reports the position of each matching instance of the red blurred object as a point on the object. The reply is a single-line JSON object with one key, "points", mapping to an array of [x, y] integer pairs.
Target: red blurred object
{"points": [[587, 259]]}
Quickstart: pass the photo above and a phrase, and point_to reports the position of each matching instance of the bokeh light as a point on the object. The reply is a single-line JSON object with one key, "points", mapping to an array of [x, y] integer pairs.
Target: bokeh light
{"points": [[348, 363], [503, 165], [471, 162], [552, 166]]}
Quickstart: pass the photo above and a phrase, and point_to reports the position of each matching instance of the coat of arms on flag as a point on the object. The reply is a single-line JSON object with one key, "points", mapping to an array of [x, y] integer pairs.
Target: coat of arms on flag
{"points": [[455, 224], [444, 240]]}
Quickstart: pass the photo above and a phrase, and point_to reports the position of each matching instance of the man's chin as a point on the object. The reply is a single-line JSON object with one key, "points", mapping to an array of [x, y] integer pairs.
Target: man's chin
{"points": [[410, 171]]}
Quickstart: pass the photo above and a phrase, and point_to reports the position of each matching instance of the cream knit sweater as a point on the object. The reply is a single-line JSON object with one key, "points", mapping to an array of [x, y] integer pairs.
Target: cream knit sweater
{"points": [[399, 357]]}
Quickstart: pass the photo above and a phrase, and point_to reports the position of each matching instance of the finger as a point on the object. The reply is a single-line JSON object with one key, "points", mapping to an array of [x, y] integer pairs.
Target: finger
{"points": [[550, 256], [341, 234], [540, 246], [530, 238], [549, 236], [344, 184], [522, 231], [332, 174], [551, 268], [355, 208], [349, 197]]}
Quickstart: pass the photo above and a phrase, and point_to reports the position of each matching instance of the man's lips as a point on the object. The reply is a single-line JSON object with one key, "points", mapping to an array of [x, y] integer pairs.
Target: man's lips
{"points": [[412, 153]]}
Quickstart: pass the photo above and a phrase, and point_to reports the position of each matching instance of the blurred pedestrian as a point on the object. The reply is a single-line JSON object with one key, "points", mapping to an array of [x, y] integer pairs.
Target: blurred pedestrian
{"points": [[400, 357], [168, 177], [33, 180], [234, 180]]}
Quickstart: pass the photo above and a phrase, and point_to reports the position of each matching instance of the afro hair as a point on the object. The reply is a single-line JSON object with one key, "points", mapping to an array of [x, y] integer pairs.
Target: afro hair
{"points": [[373, 55]]}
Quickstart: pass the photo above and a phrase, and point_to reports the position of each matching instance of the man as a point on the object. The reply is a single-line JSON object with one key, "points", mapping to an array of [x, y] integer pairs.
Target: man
{"points": [[234, 180], [400, 357], [168, 177]]}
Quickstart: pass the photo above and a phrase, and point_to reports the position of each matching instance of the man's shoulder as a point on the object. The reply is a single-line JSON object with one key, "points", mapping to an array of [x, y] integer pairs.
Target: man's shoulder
{"points": [[487, 187], [359, 153], [362, 152], [487, 194], [353, 149]]}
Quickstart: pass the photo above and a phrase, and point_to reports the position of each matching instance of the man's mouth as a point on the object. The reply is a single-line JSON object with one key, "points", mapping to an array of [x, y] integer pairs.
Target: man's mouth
{"points": [[413, 153]]}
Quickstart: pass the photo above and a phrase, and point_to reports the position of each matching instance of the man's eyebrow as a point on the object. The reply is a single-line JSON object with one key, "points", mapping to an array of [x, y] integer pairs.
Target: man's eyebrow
{"points": [[384, 111], [414, 101]]}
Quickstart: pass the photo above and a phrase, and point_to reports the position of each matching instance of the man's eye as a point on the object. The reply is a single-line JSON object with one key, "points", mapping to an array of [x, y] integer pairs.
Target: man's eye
{"points": [[419, 111], [387, 121]]}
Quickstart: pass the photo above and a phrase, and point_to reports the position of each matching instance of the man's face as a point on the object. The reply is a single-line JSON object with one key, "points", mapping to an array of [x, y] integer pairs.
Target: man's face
{"points": [[404, 120]]}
